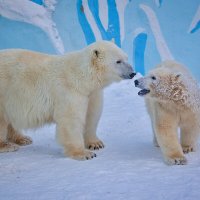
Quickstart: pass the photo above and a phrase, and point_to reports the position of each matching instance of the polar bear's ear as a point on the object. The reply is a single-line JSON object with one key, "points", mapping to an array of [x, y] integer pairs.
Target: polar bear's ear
{"points": [[177, 75], [96, 57], [96, 53]]}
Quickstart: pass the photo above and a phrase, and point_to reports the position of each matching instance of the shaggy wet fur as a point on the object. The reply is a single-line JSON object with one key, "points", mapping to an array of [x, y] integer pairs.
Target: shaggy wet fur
{"points": [[173, 102]]}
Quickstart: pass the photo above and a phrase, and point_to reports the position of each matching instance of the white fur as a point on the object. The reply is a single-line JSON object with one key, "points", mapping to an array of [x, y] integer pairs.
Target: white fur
{"points": [[37, 88]]}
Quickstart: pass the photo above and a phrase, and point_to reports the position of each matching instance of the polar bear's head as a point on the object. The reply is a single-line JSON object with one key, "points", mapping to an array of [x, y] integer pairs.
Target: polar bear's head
{"points": [[163, 84], [109, 62]]}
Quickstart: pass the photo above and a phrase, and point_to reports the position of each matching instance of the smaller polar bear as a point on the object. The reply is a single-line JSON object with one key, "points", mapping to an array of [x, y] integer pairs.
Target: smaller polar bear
{"points": [[173, 101], [37, 88]]}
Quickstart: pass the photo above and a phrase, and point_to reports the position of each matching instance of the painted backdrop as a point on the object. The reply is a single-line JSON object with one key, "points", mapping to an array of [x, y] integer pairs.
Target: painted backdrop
{"points": [[147, 30]]}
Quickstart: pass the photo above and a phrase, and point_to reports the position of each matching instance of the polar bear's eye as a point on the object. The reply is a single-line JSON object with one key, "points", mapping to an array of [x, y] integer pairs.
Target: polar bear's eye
{"points": [[119, 61], [153, 78]]}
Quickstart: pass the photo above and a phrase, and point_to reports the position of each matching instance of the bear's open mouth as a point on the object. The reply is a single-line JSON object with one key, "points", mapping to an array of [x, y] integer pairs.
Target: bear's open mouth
{"points": [[143, 92]]}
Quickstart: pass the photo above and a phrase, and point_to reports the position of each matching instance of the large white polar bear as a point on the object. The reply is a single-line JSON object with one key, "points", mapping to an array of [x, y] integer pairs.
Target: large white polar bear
{"points": [[173, 101], [37, 88]]}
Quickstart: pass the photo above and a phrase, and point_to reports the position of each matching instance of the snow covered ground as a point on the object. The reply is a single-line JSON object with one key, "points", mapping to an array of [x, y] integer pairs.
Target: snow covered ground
{"points": [[130, 167]]}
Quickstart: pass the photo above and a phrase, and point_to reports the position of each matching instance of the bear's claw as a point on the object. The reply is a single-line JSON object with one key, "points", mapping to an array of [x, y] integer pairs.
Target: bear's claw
{"points": [[187, 149], [81, 155], [23, 140], [95, 145], [8, 147], [176, 161]]}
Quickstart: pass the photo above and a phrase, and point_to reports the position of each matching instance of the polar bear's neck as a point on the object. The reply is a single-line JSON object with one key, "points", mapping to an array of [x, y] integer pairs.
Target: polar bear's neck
{"points": [[192, 99], [186, 99], [77, 73]]}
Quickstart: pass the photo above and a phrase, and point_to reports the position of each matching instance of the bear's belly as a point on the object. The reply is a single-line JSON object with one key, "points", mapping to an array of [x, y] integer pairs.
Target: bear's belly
{"points": [[29, 114]]}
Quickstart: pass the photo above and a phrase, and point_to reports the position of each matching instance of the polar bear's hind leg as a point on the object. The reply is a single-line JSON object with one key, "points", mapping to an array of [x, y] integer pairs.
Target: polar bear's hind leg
{"points": [[5, 145], [17, 138]]}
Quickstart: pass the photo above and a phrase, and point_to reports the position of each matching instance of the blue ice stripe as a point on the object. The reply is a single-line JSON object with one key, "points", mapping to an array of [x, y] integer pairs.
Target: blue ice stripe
{"points": [[139, 44], [196, 27], [40, 2], [89, 35], [113, 22], [160, 2], [94, 8]]}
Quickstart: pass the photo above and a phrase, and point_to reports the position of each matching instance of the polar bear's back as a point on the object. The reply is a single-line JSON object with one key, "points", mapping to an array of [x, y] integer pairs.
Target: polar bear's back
{"points": [[24, 92], [174, 67]]}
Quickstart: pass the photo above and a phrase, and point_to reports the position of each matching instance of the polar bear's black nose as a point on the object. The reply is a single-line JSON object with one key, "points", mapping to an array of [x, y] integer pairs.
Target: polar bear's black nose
{"points": [[136, 83], [132, 75]]}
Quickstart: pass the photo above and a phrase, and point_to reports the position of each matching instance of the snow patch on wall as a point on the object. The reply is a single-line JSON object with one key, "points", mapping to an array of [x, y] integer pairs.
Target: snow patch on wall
{"points": [[195, 24], [91, 20], [103, 13], [121, 5], [35, 14], [162, 47]]}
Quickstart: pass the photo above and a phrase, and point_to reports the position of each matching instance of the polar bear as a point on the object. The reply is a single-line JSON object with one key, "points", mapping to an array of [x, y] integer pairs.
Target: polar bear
{"points": [[37, 88], [173, 101]]}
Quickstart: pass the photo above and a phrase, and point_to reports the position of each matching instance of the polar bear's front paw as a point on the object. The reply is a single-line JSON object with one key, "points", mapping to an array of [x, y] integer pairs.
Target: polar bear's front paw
{"points": [[8, 147], [81, 155], [95, 145], [176, 160], [189, 148], [23, 140]]}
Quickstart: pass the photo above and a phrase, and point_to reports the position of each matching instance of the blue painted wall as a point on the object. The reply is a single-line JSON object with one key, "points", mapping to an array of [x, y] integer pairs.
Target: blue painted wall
{"points": [[75, 29]]}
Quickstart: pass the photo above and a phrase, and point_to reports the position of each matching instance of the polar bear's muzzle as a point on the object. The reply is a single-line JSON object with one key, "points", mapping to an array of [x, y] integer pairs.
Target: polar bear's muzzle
{"points": [[143, 92], [126, 70], [132, 75], [129, 76], [139, 84]]}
